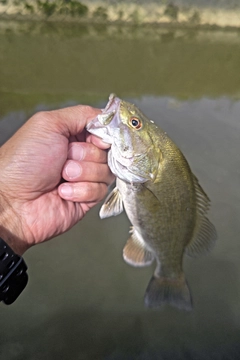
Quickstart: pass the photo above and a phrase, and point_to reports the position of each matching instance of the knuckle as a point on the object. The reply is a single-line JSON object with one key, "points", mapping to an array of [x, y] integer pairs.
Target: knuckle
{"points": [[87, 191], [41, 117], [93, 191], [86, 109]]}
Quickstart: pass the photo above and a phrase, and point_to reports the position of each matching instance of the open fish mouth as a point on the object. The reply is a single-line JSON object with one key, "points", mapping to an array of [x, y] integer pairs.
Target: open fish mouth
{"points": [[98, 129], [99, 125], [111, 100]]}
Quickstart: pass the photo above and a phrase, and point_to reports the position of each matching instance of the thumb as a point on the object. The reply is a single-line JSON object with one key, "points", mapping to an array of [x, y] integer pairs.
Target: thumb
{"points": [[72, 120]]}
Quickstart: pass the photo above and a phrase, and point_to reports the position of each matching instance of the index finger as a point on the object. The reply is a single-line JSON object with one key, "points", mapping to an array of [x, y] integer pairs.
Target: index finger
{"points": [[82, 151], [72, 120], [97, 141]]}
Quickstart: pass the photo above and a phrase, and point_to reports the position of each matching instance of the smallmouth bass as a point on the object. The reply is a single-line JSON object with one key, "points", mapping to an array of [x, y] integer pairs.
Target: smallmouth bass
{"points": [[161, 196]]}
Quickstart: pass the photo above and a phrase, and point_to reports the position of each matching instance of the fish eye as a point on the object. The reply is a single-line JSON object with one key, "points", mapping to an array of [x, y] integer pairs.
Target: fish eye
{"points": [[135, 123]]}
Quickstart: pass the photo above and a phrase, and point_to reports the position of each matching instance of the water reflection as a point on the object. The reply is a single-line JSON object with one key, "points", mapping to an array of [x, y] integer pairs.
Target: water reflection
{"points": [[84, 302], [92, 334], [53, 63]]}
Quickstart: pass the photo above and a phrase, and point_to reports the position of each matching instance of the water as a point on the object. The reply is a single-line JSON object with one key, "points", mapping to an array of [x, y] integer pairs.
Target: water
{"points": [[82, 300]]}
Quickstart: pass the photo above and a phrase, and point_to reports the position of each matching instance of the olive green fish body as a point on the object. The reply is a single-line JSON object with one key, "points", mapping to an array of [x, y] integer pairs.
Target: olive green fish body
{"points": [[162, 198], [164, 214], [161, 211]]}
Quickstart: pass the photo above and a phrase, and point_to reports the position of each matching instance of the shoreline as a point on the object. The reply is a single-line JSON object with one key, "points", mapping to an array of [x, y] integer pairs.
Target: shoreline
{"points": [[150, 14]]}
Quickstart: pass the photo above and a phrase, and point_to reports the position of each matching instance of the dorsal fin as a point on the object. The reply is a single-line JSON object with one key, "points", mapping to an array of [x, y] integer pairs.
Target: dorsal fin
{"points": [[204, 236]]}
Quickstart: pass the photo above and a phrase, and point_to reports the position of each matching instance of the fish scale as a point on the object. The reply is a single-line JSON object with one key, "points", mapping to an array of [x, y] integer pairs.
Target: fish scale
{"points": [[161, 196]]}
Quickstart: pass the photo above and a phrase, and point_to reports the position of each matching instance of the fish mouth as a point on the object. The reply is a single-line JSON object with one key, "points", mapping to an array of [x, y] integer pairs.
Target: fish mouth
{"points": [[98, 126], [111, 100]]}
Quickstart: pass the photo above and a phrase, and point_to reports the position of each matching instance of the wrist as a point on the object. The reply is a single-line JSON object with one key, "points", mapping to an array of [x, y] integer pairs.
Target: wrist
{"points": [[11, 227], [13, 275]]}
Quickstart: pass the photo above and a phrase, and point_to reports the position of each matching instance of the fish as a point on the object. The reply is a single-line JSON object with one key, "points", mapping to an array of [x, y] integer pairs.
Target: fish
{"points": [[162, 198]]}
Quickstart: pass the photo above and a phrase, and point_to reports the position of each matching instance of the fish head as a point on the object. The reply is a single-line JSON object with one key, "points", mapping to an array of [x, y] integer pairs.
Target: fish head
{"points": [[134, 156]]}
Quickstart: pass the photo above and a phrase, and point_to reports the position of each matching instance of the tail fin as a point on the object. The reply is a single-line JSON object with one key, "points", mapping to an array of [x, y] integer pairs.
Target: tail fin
{"points": [[162, 290]]}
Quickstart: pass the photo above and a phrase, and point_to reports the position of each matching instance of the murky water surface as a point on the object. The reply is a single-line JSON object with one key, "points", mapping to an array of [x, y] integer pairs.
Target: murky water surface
{"points": [[82, 300]]}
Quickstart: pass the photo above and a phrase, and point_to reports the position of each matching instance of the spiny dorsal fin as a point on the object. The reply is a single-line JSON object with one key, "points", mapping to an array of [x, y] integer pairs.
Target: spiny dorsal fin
{"points": [[205, 235], [113, 204], [135, 252]]}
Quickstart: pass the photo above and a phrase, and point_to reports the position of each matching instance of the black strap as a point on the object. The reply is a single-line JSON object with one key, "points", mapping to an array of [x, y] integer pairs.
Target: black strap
{"points": [[13, 276]]}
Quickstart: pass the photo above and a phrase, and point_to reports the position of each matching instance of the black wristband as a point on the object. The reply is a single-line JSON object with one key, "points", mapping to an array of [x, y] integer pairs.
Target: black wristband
{"points": [[13, 276]]}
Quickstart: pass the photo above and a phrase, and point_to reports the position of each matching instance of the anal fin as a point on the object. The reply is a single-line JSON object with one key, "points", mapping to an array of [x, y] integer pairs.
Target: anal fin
{"points": [[135, 251]]}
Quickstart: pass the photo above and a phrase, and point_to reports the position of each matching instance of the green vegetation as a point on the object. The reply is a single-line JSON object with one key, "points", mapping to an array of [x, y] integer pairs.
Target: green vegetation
{"points": [[136, 13], [171, 11], [120, 15], [100, 13], [51, 7], [47, 7], [195, 18], [135, 17], [29, 8], [73, 8]]}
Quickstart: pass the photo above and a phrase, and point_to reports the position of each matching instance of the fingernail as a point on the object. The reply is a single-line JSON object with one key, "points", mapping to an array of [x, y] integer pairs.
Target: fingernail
{"points": [[72, 170], [76, 152], [66, 190]]}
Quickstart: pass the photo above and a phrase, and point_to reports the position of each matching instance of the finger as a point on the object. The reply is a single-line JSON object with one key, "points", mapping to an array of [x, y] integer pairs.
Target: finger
{"points": [[69, 121], [97, 141], [83, 191], [87, 152], [87, 171]]}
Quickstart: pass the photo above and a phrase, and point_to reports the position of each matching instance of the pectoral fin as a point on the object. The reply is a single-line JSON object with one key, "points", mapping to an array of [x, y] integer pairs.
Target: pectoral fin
{"points": [[135, 252], [205, 235], [113, 204]]}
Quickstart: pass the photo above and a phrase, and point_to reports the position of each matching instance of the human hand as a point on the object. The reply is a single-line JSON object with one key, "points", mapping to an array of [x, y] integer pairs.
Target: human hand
{"points": [[35, 203]]}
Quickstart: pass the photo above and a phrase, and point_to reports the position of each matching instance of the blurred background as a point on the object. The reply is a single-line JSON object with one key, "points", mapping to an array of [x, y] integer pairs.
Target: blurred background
{"points": [[179, 62]]}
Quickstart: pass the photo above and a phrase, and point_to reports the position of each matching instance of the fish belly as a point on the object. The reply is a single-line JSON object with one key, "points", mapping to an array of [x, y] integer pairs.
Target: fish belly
{"points": [[158, 224], [164, 238]]}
